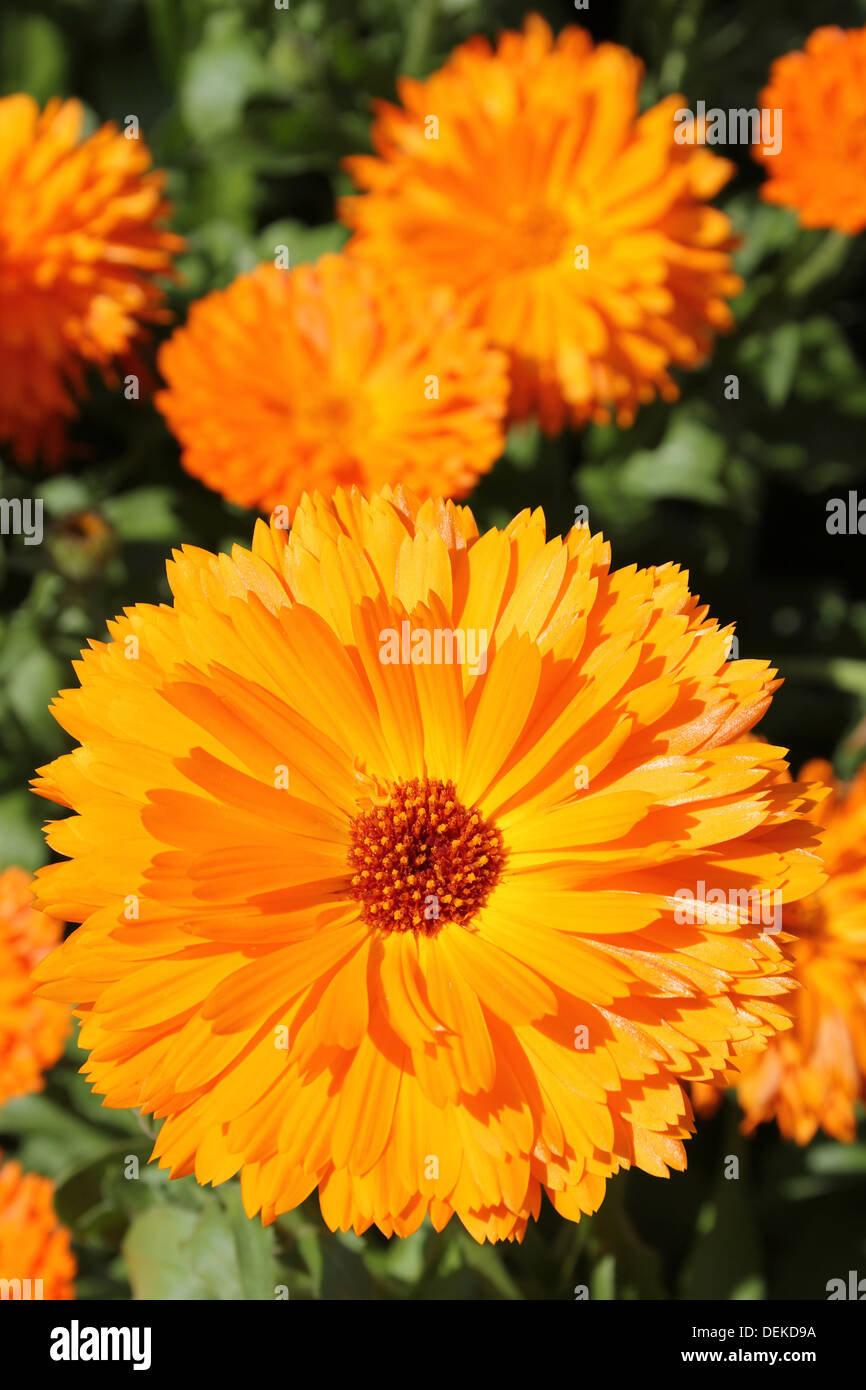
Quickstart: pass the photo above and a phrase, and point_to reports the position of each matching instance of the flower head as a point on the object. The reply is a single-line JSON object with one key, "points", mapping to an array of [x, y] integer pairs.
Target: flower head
{"points": [[32, 1030], [379, 834], [820, 169], [81, 240], [813, 1076], [574, 229], [34, 1247], [326, 376]]}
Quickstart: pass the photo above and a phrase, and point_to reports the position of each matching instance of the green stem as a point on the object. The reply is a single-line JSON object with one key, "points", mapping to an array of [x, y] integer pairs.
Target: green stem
{"points": [[822, 259], [419, 33], [685, 26]]}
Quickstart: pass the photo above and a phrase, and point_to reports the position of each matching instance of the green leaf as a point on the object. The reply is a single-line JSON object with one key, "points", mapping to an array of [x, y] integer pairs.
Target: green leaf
{"points": [[523, 444], [30, 689], [174, 1253], [779, 357], [828, 252], [158, 1250], [65, 494], [254, 1246], [303, 243], [34, 56], [144, 514], [837, 1159], [21, 840], [219, 77], [67, 1140], [95, 1197], [687, 464]]}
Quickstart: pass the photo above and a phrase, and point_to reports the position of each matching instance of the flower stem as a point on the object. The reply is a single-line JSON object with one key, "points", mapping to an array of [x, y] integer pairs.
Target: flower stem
{"points": [[419, 33]]}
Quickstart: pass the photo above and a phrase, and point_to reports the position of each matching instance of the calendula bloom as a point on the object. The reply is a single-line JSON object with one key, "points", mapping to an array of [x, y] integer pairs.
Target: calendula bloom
{"points": [[81, 240], [575, 230], [325, 376], [32, 1030], [378, 837], [34, 1247], [813, 1076], [820, 168]]}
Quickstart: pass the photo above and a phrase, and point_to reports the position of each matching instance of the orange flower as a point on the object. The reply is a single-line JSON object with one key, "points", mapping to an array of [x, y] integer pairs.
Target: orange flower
{"points": [[378, 834], [573, 229], [35, 1254], [32, 1031], [80, 243], [325, 376], [813, 1076], [820, 169]]}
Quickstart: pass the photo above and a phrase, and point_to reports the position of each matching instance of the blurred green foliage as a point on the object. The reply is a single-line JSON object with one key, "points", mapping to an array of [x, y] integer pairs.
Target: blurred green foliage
{"points": [[250, 109]]}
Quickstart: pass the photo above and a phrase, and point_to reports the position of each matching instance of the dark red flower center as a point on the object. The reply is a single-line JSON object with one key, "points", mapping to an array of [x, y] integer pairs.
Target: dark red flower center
{"points": [[422, 860]]}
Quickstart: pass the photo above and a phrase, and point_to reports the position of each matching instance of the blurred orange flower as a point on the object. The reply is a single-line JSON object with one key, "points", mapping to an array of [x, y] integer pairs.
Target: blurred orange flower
{"points": [[324, 376], [575, 230], [32, 1030], [406, 929], [820, 169], [80, 244], [34, 1248], [813, 1076]]}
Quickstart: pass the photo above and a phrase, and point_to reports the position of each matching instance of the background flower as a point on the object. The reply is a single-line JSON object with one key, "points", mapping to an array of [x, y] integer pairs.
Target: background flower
{"points": [[81, 241], [820, 169], [326, 376], [814, 1075], [33, 1244], [32, 1031], [574, 228]]}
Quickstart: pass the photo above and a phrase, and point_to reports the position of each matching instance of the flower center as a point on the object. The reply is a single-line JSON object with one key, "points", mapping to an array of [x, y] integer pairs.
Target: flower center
{"points": [[421, 860], [533, 237]]}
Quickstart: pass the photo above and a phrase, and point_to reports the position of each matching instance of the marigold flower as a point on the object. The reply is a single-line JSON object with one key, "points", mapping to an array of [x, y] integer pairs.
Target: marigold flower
{"points": [[325, 375], [574, 229], [34, 1247], [80, 243], [820, 169], [813, 1076], [32, 1030], [403, 928]]}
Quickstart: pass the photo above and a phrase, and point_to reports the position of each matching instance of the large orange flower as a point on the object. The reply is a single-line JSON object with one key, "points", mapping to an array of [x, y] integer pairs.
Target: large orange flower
{"points": [[32, 1030], [80, 243], [813, 1076], [324, 376], [35, 1254], [821, 167], [574, 229], [378, 839]]}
